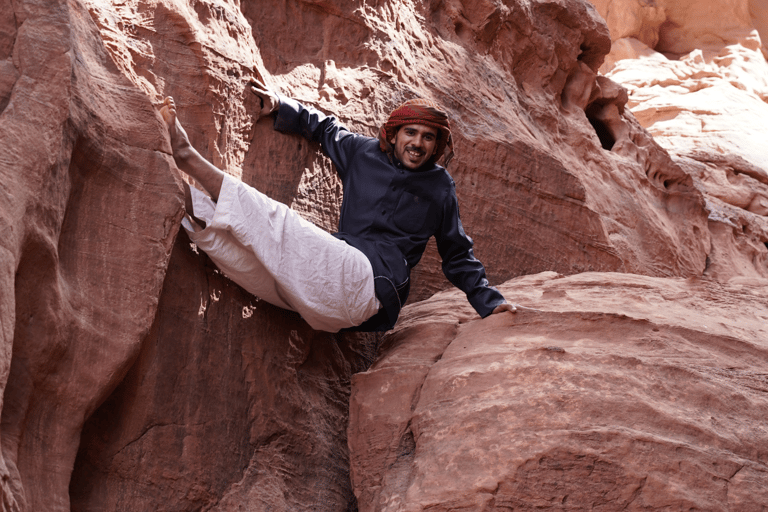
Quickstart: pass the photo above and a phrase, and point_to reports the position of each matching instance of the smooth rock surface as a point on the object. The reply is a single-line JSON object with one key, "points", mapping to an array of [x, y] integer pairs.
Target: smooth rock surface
{"points": [[618, 392]]}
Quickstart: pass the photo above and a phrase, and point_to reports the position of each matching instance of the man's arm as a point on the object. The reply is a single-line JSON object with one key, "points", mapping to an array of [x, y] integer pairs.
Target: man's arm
{"points": [[461, 267], [338, 143]]}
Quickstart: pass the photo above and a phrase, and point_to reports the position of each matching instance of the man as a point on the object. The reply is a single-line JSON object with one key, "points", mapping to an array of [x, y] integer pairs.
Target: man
{"points": [[395, 198]]}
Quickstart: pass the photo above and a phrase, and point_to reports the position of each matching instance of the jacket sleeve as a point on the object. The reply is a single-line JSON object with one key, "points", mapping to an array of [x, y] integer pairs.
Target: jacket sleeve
{"points": [[337, 142], [460, 266]]}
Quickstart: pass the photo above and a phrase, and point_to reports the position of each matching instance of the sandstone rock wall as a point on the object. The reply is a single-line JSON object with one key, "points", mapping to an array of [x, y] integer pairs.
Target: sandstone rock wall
{"points": [[697, 78], [518, 115], [89, 212], [135, 377], [617, 392], [229, 404]]}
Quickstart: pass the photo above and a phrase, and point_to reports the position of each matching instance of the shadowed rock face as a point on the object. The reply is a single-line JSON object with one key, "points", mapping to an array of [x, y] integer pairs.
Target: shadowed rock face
{"points": [[89, 210], [136, 377], [230, 403]]}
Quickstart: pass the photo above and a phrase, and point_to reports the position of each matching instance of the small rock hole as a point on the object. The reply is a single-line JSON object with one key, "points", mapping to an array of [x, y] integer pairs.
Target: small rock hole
{"points": [[606, 139]]}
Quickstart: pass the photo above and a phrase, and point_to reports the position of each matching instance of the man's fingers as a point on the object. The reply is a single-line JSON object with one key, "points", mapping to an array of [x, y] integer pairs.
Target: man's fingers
{"points": [[255, 89], [504, 307], [513, 308], [268, 101], [524, 308], [257, 83], [259, 89]]}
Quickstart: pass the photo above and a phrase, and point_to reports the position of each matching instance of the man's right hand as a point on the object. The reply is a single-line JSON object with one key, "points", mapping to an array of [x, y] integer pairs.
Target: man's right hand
{"points": [[269, 100]]}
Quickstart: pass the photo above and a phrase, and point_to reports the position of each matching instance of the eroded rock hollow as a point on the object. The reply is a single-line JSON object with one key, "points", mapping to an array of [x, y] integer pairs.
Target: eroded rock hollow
{"points": [[610, 168]]}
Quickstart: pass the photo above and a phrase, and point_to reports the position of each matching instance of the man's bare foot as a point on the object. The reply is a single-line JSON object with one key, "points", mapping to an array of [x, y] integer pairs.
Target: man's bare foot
{"points": [[179, 141], [186, 157]]}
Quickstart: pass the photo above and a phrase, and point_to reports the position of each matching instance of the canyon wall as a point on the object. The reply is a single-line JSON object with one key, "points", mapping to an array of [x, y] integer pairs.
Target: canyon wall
{"points": [[135, 376], [89, 213], [697, 80]]}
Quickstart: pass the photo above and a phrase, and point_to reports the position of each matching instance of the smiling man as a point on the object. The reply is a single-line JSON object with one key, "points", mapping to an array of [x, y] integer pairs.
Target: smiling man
{"points": [[396, 197], [415, 144]]}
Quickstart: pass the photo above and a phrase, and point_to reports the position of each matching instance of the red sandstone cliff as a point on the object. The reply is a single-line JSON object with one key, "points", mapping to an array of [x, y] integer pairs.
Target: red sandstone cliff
{"points": [[136, 377]]}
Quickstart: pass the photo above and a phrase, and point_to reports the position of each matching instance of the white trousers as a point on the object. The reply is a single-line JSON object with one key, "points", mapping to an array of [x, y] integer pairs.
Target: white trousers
{"points": [[275, 254]]}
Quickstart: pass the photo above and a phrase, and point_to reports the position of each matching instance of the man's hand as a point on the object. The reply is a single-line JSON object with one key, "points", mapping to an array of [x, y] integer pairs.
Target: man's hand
{"points": [[512, 308], [269, 100]]}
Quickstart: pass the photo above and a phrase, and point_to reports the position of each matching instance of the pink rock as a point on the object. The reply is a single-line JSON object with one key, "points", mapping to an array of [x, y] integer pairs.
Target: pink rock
{"points": [[617, 391], [136, 377], [231, 402], [697, 79], [90, 209]]}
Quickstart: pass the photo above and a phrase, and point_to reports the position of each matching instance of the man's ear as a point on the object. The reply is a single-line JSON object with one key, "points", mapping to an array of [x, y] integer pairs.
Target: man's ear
{"points": [[394, 138]]}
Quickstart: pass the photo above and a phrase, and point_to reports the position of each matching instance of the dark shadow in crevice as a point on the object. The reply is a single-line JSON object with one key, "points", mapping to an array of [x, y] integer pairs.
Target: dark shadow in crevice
{"points": [[603, 133], [35, 352], [160, 428]]}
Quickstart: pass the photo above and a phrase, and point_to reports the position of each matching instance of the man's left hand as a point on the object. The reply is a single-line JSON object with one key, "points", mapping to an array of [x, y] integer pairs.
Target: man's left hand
{"points": [[504, 307]]}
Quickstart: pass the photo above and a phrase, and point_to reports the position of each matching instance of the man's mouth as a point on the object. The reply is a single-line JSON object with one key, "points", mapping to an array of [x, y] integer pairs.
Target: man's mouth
{"points": [[414, 152]]}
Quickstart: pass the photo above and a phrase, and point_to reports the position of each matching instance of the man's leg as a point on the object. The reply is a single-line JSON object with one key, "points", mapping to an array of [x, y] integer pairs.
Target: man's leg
{"points": [[187, 158], [269, 249], [275, 254]]}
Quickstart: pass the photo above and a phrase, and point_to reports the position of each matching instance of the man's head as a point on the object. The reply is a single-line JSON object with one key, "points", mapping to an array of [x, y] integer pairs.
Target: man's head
{"points": [[417, 132]]}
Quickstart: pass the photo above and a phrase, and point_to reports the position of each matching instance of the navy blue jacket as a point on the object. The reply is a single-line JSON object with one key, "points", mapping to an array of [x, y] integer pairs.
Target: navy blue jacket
{"points": [[389, 212]]}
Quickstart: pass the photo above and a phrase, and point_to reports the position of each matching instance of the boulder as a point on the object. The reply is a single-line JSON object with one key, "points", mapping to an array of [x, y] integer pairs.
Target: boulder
{"points": [[608, 392]]}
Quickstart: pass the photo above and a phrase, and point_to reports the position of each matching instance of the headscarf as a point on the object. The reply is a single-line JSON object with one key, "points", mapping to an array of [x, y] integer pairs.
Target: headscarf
{"points": [[427, 113]]}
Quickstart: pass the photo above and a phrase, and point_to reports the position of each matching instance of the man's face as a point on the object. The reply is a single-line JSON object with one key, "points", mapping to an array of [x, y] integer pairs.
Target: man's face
{"points": [[414, 144]]}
